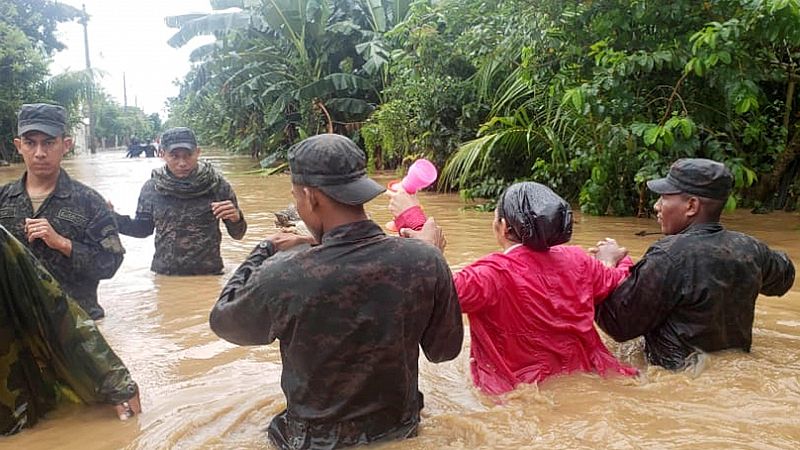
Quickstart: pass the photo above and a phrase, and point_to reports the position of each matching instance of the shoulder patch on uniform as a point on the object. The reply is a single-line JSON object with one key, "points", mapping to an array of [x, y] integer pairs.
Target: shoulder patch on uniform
{"points": [[71, 216]]}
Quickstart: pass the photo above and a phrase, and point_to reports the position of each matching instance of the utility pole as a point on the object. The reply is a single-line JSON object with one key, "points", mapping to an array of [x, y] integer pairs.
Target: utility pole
{"points": [[124, 92], [90, 97]]}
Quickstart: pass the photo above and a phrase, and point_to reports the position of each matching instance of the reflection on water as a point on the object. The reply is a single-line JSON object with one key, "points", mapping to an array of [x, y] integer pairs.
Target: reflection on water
{"points": [[201, 392]]}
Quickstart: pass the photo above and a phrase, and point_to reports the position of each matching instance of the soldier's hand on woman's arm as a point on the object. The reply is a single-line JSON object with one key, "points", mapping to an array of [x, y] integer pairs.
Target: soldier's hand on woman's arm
{"points": [[430, 233], [226, 210], [608, 252], [41, 229]]}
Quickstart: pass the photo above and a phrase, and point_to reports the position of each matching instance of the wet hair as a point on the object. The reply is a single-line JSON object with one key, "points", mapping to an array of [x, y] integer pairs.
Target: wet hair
{"points": [[510, 233], [537, 217], [712, 208]]}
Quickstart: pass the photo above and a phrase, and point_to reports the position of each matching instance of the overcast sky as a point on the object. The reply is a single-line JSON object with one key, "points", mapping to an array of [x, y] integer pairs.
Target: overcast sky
{"points": [[130, 36]]}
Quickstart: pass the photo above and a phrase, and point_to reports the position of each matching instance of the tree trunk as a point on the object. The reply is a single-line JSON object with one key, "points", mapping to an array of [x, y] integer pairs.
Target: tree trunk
{"points": [[767, 186], [768, 183]]}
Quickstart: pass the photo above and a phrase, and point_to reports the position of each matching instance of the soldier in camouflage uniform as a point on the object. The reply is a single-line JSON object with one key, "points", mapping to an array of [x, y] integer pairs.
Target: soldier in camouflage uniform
{"points": [[49, 347], [67, 225], [350, 313], [184, 202], [694, 290]]}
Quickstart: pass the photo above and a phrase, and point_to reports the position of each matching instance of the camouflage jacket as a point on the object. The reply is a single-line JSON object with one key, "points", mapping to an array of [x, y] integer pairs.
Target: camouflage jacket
{"points": [[695, 291], [351, 315], [80, 214], [48, 345], [187, 233]]}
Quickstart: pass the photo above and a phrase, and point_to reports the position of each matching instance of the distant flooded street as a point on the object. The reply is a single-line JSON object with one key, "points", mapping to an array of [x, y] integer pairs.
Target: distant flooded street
{"points": [[201, 392]]}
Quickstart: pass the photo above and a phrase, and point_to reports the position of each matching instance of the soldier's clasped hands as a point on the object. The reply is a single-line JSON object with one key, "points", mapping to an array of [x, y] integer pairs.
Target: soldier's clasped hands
{"points": [[41, 229]]}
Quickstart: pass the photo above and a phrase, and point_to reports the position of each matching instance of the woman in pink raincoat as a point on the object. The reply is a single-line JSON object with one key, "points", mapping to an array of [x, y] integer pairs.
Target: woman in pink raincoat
{"points": [[531, 305]]}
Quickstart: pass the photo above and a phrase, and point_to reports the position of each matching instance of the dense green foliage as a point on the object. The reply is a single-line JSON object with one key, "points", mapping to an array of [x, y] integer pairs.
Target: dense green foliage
{"points": [[117, 125], [282, 69], [591, 97], [608, 93], [27, 42]]}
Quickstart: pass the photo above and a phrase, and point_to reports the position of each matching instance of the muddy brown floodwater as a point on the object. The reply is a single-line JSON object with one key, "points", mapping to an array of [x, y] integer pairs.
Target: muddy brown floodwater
{"points": [[201, 392]]}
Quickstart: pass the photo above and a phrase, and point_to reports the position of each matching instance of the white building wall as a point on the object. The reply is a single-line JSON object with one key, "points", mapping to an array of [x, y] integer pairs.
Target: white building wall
{"points": [[80, 139]]}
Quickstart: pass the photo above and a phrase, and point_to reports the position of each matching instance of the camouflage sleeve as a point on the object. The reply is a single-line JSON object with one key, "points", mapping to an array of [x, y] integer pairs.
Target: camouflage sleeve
{"points": [[100, 254], [778, 272], [441, 340], [643, 300], [235, 229], [144, 224], [241, 314], [139, 227]]}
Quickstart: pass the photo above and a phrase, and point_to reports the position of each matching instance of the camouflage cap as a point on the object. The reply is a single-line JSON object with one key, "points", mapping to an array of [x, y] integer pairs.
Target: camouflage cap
{"points": [[698, 176], [43, 117], [180, 137], [335, 165]]}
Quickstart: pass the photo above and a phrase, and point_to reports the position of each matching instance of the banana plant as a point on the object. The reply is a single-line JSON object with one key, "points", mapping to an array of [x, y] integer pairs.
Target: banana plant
{"points": [[278, 58]]}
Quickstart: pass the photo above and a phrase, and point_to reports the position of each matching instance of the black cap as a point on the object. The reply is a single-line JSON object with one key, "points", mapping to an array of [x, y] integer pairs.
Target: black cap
{"points": [[697, 176], [46, 118], [180, 137], [335, 165]]}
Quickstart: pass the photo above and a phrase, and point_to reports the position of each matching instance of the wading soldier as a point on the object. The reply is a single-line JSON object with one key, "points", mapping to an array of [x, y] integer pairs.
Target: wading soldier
{"points": [[67, 225], [351, 313], [184, 202], [694, 290]]}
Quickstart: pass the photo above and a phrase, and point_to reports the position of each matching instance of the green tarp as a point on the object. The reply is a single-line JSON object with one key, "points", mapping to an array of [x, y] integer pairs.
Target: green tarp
{"points": [[48, 345]]}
